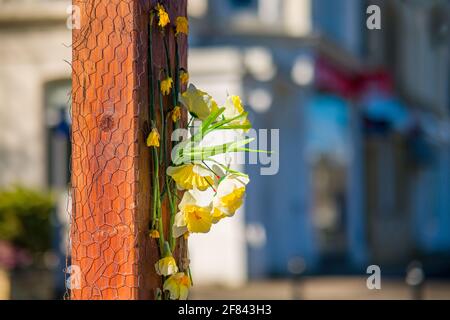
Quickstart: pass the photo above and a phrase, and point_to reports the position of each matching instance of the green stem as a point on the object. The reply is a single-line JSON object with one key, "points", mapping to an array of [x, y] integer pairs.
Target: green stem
{"points": [[155, 195], [150, 68], [152, 119], [166, 49], [172, 214], [157, 216], [177, 76], [215, 174], [163, 126], [190, 275], [220, 124], [175, 94]]}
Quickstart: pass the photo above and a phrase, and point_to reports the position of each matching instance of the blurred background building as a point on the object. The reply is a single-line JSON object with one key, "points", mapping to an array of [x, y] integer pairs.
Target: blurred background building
{"points": [[364, 119]]}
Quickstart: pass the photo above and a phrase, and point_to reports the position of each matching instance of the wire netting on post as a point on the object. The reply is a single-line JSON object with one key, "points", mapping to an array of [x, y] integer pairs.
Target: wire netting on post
{"points": [[111, 166]]}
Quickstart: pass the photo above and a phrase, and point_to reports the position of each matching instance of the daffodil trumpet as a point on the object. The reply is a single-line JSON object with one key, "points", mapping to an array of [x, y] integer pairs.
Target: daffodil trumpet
{"points": [[184, 76], [190, 176], [229, 196], [181, 26], [199, 103], [177, 286], [167, 265], [162, 15], [193, 216]]}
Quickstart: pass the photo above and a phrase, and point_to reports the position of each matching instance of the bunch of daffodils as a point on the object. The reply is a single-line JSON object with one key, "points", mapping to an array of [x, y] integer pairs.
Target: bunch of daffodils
{"points": [[211, 190], [199, 189]]}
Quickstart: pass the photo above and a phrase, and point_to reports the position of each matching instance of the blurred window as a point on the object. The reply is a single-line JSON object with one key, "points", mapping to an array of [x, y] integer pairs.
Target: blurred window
{"points": [[243, 4], [57, 127], [58, 133], [328, 149]]}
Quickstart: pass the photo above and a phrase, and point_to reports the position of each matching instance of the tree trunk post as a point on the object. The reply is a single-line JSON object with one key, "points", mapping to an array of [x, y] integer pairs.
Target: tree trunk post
{"points": [[111, 198]]}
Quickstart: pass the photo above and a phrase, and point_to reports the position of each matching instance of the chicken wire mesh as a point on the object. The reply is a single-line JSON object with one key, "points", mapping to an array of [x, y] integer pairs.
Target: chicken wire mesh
{"points": [[112, 255]]}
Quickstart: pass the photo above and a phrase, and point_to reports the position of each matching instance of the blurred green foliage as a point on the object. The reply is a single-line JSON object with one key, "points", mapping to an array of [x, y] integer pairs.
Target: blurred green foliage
{"points": [[25, 219]]}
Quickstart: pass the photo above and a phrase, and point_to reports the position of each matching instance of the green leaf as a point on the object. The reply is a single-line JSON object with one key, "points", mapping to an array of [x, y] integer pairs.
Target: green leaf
{"points": [[219, 124], [212, 117], [200, 134], [191, 154], [235, 127]]}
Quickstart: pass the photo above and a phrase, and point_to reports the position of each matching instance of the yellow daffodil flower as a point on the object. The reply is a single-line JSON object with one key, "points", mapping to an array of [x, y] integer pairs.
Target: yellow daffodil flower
{"points": [[233, 108], [166, 266], [162, 15], [153, 138], [182, 25], [166, 86], [178, 286], [217, 215], [192, 217], [199, 103], [176, 114], [154, 234], [229, 196], [184, 77], [190, 176]]}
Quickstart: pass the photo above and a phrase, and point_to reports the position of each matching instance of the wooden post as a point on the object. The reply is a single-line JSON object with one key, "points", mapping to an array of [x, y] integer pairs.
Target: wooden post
{"points": [[111, 195]]}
